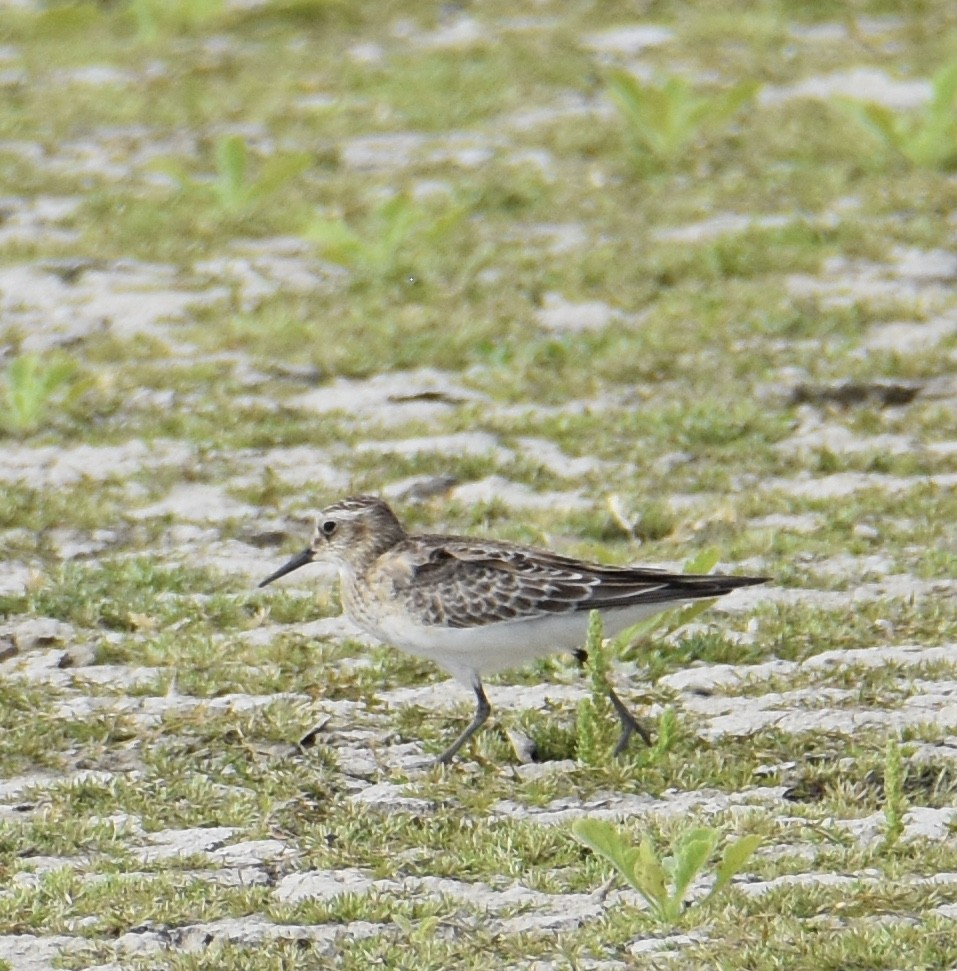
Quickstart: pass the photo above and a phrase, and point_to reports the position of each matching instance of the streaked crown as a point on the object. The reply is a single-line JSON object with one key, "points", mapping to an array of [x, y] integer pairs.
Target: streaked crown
{"points": [[355, 530]]}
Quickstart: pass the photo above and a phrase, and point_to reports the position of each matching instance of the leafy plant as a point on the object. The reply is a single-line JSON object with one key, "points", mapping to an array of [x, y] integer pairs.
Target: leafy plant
{"points": [[926, 138], [595, 724], [29, 389], [664, 883], [235, 190], [666, 735], [394, 235], [154, 16], [665, 116], [894, 806]]}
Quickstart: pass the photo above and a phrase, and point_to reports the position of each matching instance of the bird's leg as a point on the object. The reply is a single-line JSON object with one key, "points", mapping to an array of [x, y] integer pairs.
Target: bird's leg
{"points": [[629, 724], [482, 711]]}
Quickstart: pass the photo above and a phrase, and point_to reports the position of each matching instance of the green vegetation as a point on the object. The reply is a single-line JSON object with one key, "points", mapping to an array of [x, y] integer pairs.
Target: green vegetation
{"points": [[894, 804], [155, 17], [31, 386], [235, 190], [597, 724], [639, 311], [665, 883], [398, 235], [926, 137], [662, 118]]}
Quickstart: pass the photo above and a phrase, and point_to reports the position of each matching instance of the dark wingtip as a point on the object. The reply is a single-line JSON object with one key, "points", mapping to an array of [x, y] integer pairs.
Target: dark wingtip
{"points": [[729, 583], [750, 581]]}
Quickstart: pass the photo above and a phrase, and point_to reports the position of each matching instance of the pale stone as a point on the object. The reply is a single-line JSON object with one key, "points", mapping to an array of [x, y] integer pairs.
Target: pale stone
{"points": [[563, 316], [628, 39], [860, 83], [197, 503], [322, 884], [515, 495], [391, 398], [169, 843]]}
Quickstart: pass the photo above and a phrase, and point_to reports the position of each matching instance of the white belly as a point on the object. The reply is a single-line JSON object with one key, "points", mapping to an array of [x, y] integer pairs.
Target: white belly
{"points": [[474, 651]]}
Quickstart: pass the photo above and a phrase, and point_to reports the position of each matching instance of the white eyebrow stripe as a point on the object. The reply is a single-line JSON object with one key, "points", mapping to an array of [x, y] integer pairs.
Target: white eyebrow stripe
{"points": [[340, 514]]}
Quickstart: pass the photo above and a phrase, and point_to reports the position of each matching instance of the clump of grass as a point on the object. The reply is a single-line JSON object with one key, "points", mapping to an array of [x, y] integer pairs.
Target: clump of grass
{"points": [[662, 118], [894, 806], [926, 138], [155, 17], [666, 736], [234, 188], [664, 882], [654, 521], [29, 390], [390, 240], [595, 726]]}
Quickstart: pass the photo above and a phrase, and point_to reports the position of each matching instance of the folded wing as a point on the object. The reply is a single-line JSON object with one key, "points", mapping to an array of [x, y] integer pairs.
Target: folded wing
{"points": [[468, 584]]}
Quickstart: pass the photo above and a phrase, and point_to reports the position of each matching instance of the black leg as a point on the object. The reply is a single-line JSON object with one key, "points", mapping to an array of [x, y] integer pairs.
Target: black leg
{"points": [[481, 716], [629, 724]]}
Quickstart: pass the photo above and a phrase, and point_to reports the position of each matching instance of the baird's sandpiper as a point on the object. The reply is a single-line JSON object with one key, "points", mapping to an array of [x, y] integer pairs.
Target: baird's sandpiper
{"points": [[475, 606]]}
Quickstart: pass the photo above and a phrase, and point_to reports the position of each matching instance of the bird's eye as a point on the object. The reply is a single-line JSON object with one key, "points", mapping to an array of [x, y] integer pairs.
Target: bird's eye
{"points": [[328, 527]]}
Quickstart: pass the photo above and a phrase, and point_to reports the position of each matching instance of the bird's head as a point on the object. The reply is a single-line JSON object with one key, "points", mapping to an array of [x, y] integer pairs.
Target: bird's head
{"points": [[348, 532]]}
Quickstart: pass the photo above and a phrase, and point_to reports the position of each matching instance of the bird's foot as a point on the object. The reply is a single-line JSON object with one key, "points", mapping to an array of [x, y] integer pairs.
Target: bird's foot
{"points": [[629, 725]]}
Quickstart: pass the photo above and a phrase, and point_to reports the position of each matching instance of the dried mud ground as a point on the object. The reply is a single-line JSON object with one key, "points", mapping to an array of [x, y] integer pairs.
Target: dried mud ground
{"points": [[256, 256]]}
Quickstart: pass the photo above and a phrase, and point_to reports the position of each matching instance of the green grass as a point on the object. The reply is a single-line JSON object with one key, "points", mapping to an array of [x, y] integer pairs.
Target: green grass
{"points": [[233, 135]]}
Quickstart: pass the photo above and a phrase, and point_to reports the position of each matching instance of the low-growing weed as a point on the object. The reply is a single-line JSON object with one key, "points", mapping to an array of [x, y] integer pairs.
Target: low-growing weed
{"points": [[664, 882], [155, 17], [595, 726], [926, 138], [234, 188], [894, 805], [29, 389], [390, 241], [662, 118]]}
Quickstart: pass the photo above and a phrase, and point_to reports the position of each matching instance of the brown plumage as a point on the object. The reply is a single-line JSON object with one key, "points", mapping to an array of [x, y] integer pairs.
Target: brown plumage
{"points": [[475, 606]]}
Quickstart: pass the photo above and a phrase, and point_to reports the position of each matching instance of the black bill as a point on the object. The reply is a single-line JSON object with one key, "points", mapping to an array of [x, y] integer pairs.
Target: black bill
{"points": [[300, 559]]}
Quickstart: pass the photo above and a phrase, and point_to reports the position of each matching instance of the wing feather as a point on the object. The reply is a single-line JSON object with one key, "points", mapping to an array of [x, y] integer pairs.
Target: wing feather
{"points": [[459, 582]]}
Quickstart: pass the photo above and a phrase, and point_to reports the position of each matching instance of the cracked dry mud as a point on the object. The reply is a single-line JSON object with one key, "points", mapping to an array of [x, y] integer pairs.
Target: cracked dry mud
{"points": [[155, 809]]}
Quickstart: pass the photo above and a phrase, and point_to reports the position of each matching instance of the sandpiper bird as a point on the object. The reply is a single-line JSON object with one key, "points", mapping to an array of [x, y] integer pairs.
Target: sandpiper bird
{"points": [[475, 606]]}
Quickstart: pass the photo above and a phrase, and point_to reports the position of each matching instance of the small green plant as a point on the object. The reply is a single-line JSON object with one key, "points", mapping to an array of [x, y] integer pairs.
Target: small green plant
{"points": [[595, 725], [664, 882], [894, 806], [662, 118], [395, 234], [153, 17], [666, 735], [233, 188], [926, 138], [29, 389]]}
